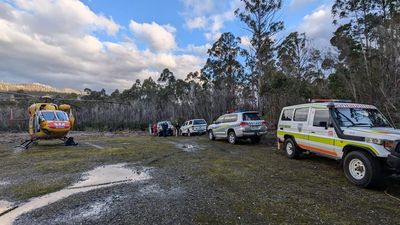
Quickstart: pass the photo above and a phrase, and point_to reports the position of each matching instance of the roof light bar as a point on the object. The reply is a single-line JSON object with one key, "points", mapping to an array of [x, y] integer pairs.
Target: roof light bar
{"points": [[329, 100]]}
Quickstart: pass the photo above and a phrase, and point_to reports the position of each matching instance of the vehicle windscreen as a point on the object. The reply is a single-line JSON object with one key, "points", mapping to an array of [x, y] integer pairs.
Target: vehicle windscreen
{"points": [[62, 116], [251, 116], [360, 117], [50, 116], [199, 122]]}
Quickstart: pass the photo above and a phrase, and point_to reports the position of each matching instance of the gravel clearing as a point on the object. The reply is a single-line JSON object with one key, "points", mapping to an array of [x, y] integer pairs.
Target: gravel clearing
{"points": [[208, 183]]}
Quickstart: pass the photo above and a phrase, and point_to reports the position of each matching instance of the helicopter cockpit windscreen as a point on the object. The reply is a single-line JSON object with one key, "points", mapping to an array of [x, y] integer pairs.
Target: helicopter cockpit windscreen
{"points": [[54, 116], [62, 116]]}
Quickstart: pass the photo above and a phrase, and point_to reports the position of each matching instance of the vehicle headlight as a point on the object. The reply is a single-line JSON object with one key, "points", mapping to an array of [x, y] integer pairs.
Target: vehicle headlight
{"points": [[388, 144], [374, 140]]}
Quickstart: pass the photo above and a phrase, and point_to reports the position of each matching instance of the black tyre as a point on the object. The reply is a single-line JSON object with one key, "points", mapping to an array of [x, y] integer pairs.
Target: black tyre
{"points": [[291, 149], [363, 170], [232, 139], [255, 140], [211, 135]]}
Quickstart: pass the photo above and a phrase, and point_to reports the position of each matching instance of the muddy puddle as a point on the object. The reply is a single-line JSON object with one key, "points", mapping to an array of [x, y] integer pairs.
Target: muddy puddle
{"points": [[189, 147], [100, 177]]}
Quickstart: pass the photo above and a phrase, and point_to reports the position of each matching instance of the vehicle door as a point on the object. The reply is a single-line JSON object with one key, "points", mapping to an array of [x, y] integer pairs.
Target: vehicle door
{"points": [[190, 125], [218, 126], [230, 121], [183, 127], [321, 138], [300, 126], [285, 121]]}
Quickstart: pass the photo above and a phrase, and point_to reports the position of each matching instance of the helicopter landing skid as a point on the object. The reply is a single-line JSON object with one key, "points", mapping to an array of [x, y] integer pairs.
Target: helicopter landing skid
{"points": [[25, 145], [69, 141]]}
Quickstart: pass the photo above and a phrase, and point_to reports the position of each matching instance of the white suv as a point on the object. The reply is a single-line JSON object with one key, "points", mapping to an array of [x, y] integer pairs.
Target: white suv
{"points": [[195, 126], [359, 135], [238, 125]]}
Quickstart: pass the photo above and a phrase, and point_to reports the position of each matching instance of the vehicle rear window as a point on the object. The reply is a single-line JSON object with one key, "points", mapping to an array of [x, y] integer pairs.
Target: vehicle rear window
{"points": [[197, 122], [287, 115], [320, 116], [251, 116], [301, 115], [230, 118]]}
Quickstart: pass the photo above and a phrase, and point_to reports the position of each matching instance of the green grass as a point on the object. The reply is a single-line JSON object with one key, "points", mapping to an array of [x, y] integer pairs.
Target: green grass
{"points": [[33, 188], [33, 170]]}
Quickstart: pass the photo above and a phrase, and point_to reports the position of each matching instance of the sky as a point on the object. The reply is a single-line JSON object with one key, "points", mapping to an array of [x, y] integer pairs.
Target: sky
{"points": [[109, 44]]}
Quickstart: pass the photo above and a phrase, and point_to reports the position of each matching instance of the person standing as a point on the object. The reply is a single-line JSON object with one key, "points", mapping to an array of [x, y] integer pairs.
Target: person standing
{"points": [[165, 129]]}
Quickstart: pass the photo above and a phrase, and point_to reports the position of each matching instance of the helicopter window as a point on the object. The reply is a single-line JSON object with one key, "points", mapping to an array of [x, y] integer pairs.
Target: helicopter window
{"points": [[49, 116], [62, 116]]}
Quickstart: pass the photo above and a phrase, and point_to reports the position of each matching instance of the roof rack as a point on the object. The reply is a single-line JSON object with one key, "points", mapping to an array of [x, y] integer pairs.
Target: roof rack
{"points": [[319, 100]]}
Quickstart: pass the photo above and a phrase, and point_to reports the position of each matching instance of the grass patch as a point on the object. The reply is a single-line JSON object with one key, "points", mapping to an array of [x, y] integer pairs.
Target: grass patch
{"points": [[33, 188]]}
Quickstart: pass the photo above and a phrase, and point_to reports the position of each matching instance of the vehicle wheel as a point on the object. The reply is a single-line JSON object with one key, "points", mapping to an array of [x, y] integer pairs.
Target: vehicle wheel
{"points": [[211, 135], [291, 150], [188, 133], [232, 139], [363, 170], [255, 140]]}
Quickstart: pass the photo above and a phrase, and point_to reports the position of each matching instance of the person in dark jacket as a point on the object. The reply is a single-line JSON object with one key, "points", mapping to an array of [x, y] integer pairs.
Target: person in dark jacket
{"points": [[164, 129]]}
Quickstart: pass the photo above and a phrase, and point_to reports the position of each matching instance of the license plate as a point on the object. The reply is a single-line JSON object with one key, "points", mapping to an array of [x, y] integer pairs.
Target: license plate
{"points": [[255, 127]]}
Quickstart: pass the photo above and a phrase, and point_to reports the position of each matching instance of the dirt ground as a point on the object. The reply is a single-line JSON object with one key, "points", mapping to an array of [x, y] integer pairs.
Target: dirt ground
{"points": [[193, 181]]}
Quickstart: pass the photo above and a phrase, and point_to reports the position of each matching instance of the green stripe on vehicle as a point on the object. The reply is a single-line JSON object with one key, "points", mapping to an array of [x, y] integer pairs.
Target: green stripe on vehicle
{"points": [[329, 141]]}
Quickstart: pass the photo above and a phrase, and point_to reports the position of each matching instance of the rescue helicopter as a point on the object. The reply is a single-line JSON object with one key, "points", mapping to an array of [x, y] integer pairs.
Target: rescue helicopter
{"points": [[49, 121]]}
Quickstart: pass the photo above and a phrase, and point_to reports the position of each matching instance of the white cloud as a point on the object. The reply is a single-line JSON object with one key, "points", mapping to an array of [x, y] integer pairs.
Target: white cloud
{"points": [[209, 16], [197, 22], [318, 25], [159, 38], [245, 42], [52, 42]]}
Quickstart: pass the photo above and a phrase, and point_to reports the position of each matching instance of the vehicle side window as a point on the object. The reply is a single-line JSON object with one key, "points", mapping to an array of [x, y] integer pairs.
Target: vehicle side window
{"points": [[301, 114], [287, 115], [321, 118], [191, 122], [220, 119], [230, 118]]}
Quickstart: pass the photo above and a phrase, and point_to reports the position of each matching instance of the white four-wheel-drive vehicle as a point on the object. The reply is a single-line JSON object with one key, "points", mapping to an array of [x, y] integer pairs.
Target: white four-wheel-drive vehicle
{"points": [[238, 125], [357, 134], [195, 126]]}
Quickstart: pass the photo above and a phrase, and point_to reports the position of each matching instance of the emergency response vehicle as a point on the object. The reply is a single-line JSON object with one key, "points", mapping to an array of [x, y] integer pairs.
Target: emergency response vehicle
{"points": [[195, 126], [238, 125], [358, 135]]}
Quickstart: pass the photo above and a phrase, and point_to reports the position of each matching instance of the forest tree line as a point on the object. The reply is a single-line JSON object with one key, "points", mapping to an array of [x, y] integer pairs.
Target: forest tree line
{"points": [[362, 65]]}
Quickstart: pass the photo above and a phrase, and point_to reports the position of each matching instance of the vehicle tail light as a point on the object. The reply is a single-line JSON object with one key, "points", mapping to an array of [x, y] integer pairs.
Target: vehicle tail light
{"points": [[242, 124]]}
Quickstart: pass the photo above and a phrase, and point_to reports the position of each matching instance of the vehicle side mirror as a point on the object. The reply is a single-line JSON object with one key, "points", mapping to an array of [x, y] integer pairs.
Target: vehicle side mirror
{"points": [[323, 124]]}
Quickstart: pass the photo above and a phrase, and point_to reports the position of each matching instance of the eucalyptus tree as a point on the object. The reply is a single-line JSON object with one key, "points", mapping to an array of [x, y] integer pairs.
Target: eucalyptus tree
{"points": [[224, 71], [261, 21]]}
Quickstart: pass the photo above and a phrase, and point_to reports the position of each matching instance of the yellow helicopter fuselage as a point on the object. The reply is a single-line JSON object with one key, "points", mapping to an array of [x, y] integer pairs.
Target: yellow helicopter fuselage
{"points": [[50, 121]]}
